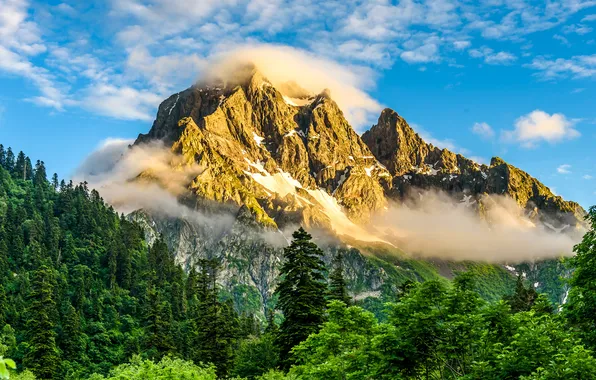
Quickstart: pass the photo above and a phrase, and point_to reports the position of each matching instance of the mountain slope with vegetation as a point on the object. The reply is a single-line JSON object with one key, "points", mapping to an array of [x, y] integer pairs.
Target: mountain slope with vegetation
{"points": [[84, 296]]}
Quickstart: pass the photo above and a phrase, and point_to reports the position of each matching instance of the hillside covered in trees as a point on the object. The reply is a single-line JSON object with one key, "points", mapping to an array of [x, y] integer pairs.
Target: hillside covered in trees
{"points": [[83, 296]]}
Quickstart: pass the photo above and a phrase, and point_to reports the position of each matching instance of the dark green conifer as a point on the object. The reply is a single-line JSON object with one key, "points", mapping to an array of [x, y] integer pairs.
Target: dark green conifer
{"points": [[42, 356], [301, 293]]}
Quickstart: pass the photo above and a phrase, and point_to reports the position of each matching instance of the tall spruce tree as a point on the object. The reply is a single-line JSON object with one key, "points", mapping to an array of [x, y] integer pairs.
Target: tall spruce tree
{"points": [[301, 293], [42, 356], [337, 283]]}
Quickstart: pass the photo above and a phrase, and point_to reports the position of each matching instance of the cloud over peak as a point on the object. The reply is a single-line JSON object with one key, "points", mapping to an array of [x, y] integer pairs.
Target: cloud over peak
{"points": [[282, 64]]}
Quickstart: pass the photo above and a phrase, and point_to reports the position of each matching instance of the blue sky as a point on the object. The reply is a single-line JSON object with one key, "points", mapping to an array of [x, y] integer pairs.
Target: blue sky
{"points": [[515, 79]]}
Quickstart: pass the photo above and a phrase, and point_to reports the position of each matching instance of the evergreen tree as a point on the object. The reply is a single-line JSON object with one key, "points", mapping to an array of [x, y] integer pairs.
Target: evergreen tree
{"points": [[581, 305], [523, 298], [301, 293], [158, 324], [2, 156], [71, 340], [337, 284], [20, 169], [42, 356], [9, 165], [55, 183], [40, 176]]}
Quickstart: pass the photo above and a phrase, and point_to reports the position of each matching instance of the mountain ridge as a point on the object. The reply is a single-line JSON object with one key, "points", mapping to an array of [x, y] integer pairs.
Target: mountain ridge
{"points": [[304, 164]]}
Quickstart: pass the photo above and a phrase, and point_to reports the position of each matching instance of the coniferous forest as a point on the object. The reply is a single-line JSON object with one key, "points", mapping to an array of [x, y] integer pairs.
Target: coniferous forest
{"points": [[83, 296]]}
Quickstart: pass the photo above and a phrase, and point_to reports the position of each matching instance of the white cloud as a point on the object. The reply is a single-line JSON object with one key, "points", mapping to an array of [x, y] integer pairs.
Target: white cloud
{"points": [[461, 45], [124, 103], [281, 64], [167, 71], [579, 66], [587, 176], [589, 18], [20, 40], [539, 126], [491, 57], [563, 40], [564, 169], [483, 130], [423, 54]]}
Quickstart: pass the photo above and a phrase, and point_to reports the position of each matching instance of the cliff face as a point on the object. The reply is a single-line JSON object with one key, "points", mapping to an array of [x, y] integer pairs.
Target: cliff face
{"points": [[277, 160]]}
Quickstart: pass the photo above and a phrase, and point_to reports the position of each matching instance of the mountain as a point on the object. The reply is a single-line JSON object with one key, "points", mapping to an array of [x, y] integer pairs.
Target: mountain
{"points": [[413, 163], [281, 157]]}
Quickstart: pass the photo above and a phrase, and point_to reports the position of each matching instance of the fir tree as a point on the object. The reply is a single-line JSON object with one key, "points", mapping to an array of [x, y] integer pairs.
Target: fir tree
{"points": [[301, 293], [40, 176], [42, 356], [523, 298], [158, 323], [2, 156], [20, 169], [55, 183], [337, 284], [71, 340], [9, 165]]}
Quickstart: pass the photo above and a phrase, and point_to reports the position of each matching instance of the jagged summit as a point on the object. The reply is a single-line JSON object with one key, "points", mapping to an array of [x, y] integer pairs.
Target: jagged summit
{"points": [[292, 158]]}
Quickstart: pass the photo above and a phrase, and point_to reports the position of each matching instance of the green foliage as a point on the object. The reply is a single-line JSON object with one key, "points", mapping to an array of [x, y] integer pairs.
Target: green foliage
{"points": [[5, 365], [256, 356], [42, 356], [523, 298], [342, 349], [301, 292], [581, 306], [82, 292], [167, 368]]}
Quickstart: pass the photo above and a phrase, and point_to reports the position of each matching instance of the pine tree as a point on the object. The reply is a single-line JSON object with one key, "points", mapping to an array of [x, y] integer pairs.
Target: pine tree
{"points": [[522, 298], [55, 182], [20, 170], [301, 293], [9, 165], [337, 284], [2, 156], [158, 323], [42, 356], [71, 340], [40, 176]]}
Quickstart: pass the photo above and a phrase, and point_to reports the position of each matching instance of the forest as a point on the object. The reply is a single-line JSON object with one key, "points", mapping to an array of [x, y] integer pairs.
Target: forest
{"points": [[84, 296]]}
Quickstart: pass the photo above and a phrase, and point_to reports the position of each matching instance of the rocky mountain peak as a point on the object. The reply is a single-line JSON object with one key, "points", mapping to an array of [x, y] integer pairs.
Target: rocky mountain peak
{"points": [[291, 157]]}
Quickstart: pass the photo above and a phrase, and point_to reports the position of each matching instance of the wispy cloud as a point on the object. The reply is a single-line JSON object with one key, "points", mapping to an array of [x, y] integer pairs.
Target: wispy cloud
{"points": [[564, 169], [483, 130], [587, 176], [580, 66], [491, 57], [577, 29]]}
